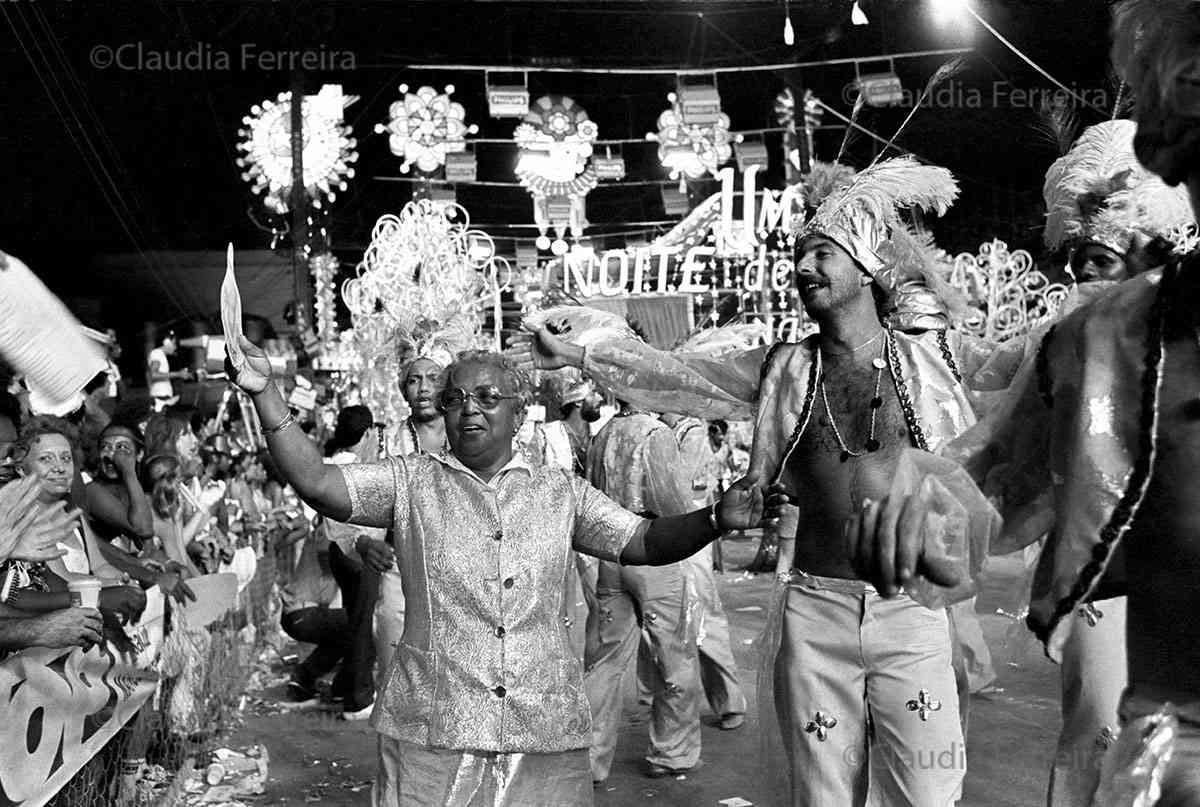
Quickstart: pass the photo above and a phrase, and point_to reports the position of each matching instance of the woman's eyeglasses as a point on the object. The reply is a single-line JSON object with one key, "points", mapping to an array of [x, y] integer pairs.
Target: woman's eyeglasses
{"points": [[488, 396]]}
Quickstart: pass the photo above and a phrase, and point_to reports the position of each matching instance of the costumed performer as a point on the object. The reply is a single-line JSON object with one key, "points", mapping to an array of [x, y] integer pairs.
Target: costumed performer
{"points": [[1117, 219], [484, 699], [835, 435], [1100, 441]]}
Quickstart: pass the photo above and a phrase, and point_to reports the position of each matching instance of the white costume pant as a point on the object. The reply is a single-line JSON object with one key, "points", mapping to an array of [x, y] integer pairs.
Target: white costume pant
{"points": [[657, 593], [389, 627], [865, 695], [1094, 674], [718, 670]]}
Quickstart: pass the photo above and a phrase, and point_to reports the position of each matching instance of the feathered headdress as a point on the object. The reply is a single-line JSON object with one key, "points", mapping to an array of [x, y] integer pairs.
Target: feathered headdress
{"points": [[862, 216], [1156, 51], [1098, 193], [823, 179], [417, 294]]}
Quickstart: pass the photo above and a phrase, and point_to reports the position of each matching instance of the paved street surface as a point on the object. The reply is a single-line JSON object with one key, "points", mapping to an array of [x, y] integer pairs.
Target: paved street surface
{"points": [[317, 759]]}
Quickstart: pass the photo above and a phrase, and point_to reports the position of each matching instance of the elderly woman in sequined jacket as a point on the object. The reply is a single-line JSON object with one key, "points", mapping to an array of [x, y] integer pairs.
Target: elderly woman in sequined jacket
{"points": [[484, 697]]}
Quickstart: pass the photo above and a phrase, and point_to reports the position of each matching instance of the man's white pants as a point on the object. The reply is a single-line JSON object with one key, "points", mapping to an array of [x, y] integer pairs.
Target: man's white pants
{"points": [[718, 670], [866, 698], [657, 593], [1094, 674]]}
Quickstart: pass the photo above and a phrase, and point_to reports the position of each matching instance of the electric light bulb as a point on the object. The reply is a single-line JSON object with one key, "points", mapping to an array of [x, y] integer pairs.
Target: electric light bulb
{"points": [[947, 12], [856, 14], [789, 34]]}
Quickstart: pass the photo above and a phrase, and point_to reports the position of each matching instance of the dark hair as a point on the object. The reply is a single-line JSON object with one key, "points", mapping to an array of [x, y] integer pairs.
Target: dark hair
{"points": [[151, 462], [132, 428], [163, 429], [352, 423]]}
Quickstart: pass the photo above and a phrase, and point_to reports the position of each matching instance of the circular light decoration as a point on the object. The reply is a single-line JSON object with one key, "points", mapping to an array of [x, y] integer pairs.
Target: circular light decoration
{"points": [[329, 151], [424, 127], [555, 140], [689, 151]]}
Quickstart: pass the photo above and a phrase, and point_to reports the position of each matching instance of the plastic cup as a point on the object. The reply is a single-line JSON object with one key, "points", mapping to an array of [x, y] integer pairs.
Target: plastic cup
{"points": [[85, 592]]}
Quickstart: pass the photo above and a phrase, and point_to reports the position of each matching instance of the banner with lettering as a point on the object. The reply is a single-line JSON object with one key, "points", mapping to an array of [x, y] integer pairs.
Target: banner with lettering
{"points": [[59, 707]]}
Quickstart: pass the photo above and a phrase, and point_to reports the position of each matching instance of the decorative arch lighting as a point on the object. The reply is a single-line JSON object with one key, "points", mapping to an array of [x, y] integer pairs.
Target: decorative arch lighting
{"points": [[329, 150], [555, 141], [425, 126]]}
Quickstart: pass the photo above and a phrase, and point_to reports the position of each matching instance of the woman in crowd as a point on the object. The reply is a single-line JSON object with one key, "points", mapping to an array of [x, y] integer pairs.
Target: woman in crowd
{"points": [[175, 532], [46, 449], [484, 699]]}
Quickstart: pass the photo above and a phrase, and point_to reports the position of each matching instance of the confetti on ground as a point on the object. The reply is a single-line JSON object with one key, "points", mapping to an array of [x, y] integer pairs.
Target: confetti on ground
{"points": [[745, 609], [736, 801]]}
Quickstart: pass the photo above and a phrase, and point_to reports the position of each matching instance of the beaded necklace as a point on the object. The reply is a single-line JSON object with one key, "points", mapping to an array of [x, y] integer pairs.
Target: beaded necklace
{"points": [[416, 440], [873, 444]]}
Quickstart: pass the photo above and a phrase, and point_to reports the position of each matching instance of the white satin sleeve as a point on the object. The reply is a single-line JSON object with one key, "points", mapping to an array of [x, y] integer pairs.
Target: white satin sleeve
{"points": [[665, 382]]}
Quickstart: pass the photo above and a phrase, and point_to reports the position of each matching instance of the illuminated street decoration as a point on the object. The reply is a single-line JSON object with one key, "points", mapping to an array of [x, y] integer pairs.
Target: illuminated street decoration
{"points": [[324, 268], [329, 150], [691, 150], [555, 140], [424, 127], [1004, 288]]}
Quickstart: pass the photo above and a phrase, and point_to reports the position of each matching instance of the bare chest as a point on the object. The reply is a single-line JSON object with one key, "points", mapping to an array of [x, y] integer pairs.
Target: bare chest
{"points": [[832, 467]]}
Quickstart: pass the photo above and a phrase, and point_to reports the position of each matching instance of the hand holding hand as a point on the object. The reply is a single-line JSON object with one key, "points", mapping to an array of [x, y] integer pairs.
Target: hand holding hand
{"points": [[780, 512], [886, 540], [541, 350], [377, 555], [255, 374], [741, 508]]}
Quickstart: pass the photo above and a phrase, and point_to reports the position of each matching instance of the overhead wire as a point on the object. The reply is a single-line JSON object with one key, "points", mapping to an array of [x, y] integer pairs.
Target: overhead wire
{"points": [[134, 205], [106, 186]]}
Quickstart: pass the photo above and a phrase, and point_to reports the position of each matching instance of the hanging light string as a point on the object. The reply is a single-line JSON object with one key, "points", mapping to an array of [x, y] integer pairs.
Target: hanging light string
{"points": [[674, 71]]}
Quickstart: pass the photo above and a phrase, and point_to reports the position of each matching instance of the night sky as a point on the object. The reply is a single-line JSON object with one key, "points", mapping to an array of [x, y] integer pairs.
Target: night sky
{"points": [[162, 141]]}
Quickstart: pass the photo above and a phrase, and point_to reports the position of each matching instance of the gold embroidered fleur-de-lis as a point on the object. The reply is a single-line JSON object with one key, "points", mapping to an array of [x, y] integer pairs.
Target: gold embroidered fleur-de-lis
{"points": [[820, 725], [1091, 613], [923, 704], [1105, 738]]}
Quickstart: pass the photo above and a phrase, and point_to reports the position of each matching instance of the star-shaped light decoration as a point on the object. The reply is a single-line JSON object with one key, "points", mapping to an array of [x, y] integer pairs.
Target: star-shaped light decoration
{"points": [[424, 127], [555, 140], [329, 150], [689, 151]]}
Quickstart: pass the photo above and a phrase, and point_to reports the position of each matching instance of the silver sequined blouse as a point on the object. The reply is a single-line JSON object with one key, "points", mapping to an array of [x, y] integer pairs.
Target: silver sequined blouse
{"points": [[485, 663]]}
